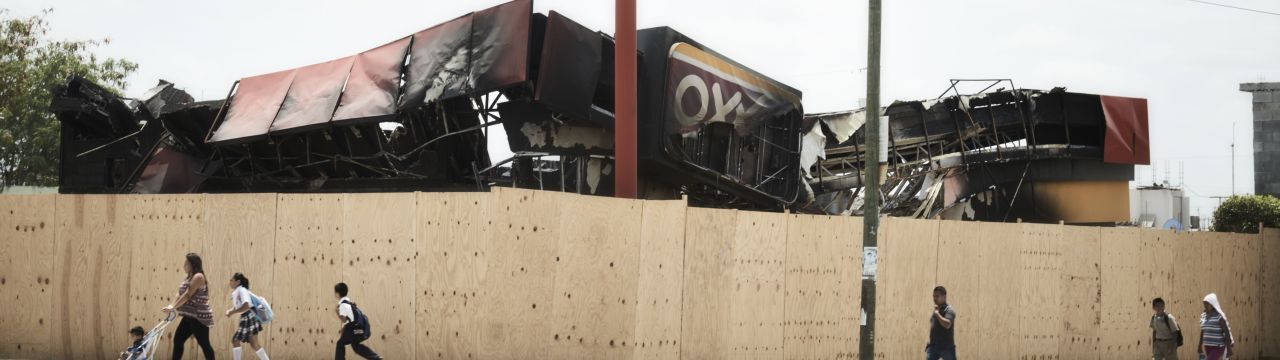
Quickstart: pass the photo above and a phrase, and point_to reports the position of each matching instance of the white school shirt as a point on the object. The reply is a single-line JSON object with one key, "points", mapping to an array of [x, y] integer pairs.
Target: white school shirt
{"points": [[345, 309], [241, 296]]}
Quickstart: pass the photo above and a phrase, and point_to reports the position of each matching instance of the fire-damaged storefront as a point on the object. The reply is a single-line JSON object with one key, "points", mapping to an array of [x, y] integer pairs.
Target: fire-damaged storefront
{"points": [[416, 114], [997, 155], [419, 113]]}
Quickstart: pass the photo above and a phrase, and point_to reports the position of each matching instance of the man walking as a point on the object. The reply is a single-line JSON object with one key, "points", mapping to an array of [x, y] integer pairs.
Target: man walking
{"points": [[942, 332], [1165, 334]]}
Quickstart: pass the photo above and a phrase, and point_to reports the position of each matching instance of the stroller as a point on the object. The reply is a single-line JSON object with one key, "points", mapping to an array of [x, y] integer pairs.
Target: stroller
{"points": [[148, 346]]}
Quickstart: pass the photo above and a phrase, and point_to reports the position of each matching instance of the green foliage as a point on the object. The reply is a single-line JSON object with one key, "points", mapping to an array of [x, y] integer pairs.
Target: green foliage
{"points": [[1243, 213], [30, 66]]}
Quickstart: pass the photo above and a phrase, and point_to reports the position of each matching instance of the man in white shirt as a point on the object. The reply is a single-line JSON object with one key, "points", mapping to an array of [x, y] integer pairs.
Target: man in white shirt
{"points": [[347, 315]]}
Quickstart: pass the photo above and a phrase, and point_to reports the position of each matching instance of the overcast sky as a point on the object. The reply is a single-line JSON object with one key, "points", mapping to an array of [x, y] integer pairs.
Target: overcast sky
{"points": [[1187, 58]]}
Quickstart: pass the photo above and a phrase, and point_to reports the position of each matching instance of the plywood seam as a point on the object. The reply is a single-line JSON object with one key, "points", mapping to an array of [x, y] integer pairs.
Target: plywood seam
{"points": [[684, 276], [413, 276], [275, 222], [786, 232]]}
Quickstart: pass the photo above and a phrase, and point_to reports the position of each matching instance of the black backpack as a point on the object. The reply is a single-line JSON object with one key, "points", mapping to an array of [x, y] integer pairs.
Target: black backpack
{"points": [[1177, 334], [360, 325]]}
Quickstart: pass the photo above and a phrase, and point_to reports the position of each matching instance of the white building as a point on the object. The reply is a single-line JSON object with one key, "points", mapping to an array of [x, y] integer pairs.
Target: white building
{"points": [[1160, 206]]}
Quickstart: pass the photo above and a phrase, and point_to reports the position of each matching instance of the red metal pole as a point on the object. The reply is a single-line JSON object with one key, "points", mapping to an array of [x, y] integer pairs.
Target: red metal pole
{"points": [[626, 176]]}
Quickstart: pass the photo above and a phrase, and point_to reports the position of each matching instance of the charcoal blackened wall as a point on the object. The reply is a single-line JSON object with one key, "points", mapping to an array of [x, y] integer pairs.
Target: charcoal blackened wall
{"points": [[1266, 136]]}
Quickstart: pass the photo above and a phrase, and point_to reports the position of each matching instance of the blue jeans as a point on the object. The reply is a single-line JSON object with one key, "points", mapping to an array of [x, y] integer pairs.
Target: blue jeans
{"points": [[939, 352]]}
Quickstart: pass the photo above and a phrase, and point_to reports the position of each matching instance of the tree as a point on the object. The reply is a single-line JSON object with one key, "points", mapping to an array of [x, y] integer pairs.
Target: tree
{"points": [[1243, 213], [30, 66]]}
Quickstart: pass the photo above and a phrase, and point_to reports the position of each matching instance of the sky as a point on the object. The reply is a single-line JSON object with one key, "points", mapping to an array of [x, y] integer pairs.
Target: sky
{"points": [[1185, 57]]}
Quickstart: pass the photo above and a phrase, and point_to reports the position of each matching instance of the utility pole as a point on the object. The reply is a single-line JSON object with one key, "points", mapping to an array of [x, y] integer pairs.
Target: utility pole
{"points": [[625, 154], [1233, 158], [871, 180]]}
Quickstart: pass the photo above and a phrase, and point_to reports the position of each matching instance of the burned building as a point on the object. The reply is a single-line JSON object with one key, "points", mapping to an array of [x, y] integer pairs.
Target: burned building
{"points": [[414, 114], [992, 155]]}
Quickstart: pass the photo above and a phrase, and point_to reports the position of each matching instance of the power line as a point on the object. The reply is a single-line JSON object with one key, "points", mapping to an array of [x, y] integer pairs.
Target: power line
{"points": [[1235, 7]]}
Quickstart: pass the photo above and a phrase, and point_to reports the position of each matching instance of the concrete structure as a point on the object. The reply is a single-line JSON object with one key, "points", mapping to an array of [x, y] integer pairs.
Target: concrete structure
{"points": [[1160, 206], [1266, 136]]}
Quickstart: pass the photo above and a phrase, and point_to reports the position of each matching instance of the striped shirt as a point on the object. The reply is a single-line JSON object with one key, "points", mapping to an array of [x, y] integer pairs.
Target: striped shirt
{"points": [[1211, 328], [197, 307]]}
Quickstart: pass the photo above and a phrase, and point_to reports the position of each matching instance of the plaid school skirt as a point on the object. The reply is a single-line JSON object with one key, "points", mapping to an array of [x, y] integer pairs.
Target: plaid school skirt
{"points": [[249, 326]]}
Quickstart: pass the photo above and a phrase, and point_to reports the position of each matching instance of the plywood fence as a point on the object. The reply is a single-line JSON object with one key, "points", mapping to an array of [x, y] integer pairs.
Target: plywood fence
{"points": [[514, 274]]}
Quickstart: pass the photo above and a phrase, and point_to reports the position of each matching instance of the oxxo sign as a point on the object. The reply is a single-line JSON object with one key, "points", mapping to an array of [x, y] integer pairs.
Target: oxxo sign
{"points": [[706, 89]]}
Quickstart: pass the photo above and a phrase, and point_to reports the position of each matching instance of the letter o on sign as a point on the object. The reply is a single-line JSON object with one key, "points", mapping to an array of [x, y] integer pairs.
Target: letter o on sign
{"points": [[690, 82]]}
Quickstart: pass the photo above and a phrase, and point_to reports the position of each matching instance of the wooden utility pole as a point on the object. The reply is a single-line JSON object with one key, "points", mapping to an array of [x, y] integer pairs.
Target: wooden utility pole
{"points": [[871, 179]]}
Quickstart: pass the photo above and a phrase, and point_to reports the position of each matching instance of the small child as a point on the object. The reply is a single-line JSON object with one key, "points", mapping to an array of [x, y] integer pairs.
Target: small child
{"points": [[250, 325], [134, 352], [347, 336], [1164, 333]]}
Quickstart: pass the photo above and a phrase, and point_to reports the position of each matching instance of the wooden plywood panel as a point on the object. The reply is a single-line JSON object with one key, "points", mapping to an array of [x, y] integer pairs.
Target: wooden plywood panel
{"points": [[520, 280], [1189, 285], [708, 278], [1041, 295], [1270, 289], [661, 280], [27, 234], [596, 275], [1155, 271], [239, 237], [1156, 263], [909, 259], [959, 269], [1081, 300], [757, 294], [163, 229], [378, 250], [823, 284], [452, 263], [999, 282], [1125, 297], [1244, 295], [309, 252], [91, 295]]}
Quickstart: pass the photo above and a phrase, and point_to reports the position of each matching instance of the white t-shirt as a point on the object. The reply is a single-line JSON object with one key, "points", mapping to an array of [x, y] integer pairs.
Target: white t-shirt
{"points": [[241, 296], [344, 309]]}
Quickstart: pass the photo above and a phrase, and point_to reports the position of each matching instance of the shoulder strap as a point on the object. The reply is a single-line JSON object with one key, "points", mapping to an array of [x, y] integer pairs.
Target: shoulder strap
{"points": [[1166, 323]]}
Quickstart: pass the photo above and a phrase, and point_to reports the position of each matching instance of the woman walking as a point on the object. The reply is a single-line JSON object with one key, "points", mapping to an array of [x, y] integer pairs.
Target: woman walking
{"points": [[1216, 341], [193, 305], [250, 326]]}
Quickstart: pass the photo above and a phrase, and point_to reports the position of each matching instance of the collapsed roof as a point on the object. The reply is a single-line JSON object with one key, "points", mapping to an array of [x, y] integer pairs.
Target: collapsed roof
{"points": [[414, 114], [992, 144]]}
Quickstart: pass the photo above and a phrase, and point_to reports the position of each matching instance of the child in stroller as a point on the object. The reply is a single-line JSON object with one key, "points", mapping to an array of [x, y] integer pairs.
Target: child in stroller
{"points": [[144, 344]]}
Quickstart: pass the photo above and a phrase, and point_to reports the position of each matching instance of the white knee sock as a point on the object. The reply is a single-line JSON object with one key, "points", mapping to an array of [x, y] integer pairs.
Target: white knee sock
{"points": [[262, 354], [235, 353]]}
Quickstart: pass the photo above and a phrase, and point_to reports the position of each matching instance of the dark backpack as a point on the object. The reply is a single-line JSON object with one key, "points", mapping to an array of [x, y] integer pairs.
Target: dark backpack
{"points": [[1177, 334], [360, 325]]}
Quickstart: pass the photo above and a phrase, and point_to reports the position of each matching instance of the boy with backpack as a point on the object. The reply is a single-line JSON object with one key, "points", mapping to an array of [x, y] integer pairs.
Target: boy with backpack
{"points": [[355, 326], [1166, 336]]}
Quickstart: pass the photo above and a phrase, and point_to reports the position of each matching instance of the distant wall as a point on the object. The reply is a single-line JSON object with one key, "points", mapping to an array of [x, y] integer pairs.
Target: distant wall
{"points": [[526, 274]]}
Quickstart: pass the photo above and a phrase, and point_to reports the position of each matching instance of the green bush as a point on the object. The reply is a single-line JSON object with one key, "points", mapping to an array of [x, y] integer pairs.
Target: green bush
{"points": [[1243, 213]]}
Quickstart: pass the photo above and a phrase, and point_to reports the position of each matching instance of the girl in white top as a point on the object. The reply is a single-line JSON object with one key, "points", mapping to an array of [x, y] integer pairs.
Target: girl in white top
{"points": [[250, 326]]}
